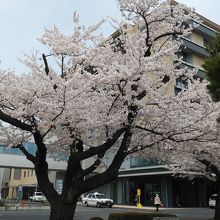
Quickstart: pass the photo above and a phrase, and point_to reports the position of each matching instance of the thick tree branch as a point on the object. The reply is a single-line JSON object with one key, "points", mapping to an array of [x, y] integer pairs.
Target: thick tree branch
{"points": [[73, 176], [29, 156], [15, 122], [41, 169], [112, 171], [91, 168], [209, 166], [101, 148]]}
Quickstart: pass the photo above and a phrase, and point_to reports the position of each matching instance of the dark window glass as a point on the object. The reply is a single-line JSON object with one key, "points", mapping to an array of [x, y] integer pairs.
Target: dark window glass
{"points": [[17, 174]]}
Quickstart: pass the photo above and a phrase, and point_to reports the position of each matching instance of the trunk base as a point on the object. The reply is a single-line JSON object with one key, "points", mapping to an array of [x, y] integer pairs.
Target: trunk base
{"points": [[62, 211]]}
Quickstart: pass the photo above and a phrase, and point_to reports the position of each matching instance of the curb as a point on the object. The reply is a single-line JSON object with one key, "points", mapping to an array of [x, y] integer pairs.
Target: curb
{"points": [[19, 208]]}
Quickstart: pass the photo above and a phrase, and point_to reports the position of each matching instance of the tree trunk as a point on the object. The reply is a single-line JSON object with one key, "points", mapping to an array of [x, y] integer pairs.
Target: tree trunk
{"points": [[217, 205], [62, 211]]}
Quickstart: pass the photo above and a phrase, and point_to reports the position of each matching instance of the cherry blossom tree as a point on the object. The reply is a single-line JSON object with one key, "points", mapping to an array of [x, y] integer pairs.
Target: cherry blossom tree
{"points": [[119, 89], [195, 159], [192, 159]]}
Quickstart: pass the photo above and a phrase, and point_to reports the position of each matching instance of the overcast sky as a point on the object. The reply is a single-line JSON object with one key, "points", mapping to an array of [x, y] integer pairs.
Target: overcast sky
{"points": [[23, 21]]}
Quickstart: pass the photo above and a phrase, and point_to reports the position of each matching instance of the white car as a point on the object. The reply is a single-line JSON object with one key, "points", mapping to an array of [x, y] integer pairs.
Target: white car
{"points": [[37, 197], [212, 200], [97, 199]]}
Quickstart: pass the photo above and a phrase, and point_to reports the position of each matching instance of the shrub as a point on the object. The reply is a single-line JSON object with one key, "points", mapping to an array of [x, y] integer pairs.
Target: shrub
{"points": [[136, 216], [96, 218]]}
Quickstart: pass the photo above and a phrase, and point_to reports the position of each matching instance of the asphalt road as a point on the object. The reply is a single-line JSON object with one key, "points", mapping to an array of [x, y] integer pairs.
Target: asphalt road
{"points": [[85, 213]]}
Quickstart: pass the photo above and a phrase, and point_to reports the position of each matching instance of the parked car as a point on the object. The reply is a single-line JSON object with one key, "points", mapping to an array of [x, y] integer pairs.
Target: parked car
{"points": [[212, 200], [1, 201], [38, 197], [97, 199]]}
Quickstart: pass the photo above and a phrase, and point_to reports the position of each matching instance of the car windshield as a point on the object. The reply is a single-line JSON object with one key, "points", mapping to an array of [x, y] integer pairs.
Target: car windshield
{"points": [[213, 197], [100, 196], [38, 194]]}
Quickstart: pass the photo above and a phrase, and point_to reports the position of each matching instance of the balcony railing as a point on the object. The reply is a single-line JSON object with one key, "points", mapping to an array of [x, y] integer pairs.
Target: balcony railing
{"points": [[192, 47], [200, 73], [204, 30]]}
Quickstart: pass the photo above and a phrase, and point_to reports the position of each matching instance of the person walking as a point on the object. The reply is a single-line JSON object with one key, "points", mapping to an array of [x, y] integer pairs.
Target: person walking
{"points": [[157, 202]]}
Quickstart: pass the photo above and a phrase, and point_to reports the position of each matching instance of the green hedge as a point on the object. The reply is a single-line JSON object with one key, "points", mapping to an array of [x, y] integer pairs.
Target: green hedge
{"points": [[136, 216]]}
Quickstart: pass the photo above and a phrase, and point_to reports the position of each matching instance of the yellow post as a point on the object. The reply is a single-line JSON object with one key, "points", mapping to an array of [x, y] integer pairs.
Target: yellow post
{"points": [[139, 198]]}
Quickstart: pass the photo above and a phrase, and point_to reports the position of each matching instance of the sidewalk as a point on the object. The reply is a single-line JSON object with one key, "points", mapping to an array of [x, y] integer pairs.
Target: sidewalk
{"points": [[182, 213], [150, 208]]}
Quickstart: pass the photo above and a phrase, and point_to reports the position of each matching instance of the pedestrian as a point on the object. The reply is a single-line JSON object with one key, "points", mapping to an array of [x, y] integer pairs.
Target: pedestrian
{"points": [[157, 202]]}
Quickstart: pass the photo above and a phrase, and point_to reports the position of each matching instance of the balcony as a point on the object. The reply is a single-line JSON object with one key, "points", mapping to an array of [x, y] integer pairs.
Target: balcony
{"points": [[200, 73], [193, 48], [207, 32]]}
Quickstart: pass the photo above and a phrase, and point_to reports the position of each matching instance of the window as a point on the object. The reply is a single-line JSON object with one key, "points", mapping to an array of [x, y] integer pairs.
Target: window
{"points": [[186, 57], [38, 194], [17, 174], [180, 85], [205, 43], [24, 173], [140, 162]]}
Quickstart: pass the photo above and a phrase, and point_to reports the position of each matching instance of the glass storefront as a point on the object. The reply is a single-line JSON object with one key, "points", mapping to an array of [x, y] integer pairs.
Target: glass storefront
{"points": [[125, 190], [136, 162], [173, 192]]}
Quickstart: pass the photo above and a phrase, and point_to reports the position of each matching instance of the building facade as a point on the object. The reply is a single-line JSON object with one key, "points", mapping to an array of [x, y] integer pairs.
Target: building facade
{"points": [[17, 176], [23, 183]]}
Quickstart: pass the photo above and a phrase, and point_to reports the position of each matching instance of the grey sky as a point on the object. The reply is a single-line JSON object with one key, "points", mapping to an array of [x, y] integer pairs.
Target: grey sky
{"points": [[23, 21]]}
